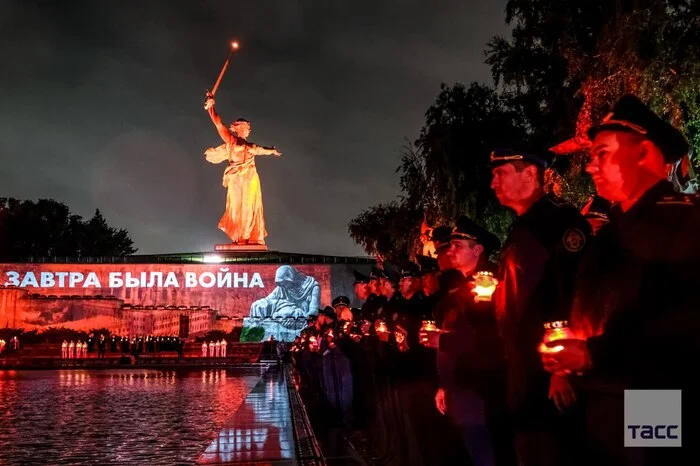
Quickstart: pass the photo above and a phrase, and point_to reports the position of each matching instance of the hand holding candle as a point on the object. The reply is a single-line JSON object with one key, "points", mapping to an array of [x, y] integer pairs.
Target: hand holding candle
{"points": [[565, 357], [484, 286], [365, 327], [400, 335], [313, 344], [429, 334], [330, 338], [381, 330], [561, 351]]}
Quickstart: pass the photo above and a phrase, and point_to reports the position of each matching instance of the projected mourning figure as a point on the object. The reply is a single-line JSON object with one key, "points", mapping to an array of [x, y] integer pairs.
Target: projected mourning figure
{"points": [[296, 295], [243, 220]]}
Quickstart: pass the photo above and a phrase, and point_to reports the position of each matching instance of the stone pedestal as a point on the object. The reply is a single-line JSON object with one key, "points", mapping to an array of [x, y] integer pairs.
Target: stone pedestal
{"points": [[274, 327], [231, 247]]}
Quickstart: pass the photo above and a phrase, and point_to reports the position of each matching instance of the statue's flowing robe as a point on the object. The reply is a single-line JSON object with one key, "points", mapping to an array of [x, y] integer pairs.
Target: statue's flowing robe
{"points": [[243, 219]]}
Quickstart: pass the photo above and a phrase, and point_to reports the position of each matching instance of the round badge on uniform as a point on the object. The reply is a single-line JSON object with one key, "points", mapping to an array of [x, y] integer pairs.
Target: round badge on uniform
{"points": [[574, 240]]}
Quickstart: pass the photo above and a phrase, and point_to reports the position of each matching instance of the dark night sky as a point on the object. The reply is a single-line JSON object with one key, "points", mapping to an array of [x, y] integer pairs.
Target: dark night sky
{"points": [[102, 106]]}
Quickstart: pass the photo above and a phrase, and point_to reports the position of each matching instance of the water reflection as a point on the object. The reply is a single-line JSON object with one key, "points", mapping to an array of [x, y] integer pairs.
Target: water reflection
{"points": [[261, 429], [130, 416]]}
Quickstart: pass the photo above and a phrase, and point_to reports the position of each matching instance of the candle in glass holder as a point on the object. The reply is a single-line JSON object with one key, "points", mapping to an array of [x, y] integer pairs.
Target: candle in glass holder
{"points": [[382, 330], [555, 331], [400, 335], [429, 334], [428, 326], [313, 343], [366, 325], [330, 338], [484, 285]]}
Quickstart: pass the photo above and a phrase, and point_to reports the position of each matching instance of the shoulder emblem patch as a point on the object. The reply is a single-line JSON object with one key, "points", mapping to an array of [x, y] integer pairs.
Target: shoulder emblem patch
{"points": [[574, 240]]}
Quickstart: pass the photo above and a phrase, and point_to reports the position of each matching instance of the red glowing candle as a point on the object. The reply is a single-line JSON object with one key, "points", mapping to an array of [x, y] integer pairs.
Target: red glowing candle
{"points": [[382, 330], [429, 334], [428, 326], [366, 325], [484, 286], [400, 335], [556, 331], [313, 343]]}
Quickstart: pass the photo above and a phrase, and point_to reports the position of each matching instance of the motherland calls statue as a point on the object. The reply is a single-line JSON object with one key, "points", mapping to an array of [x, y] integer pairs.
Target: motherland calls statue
{"points": [[243, 221]]}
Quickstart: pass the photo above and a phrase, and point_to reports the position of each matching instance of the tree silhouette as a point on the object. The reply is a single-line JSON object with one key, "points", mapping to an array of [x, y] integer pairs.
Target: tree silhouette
{"points": [[47, 228], [562, 67]]}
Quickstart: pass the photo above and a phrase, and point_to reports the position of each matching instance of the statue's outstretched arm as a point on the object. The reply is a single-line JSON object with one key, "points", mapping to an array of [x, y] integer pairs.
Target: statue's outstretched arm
{"points": [[260, 150], [216, 119]]}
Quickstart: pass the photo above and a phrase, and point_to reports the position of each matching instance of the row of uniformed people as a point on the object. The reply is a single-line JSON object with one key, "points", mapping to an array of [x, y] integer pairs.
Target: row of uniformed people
{"points": [[586, 304], [618, 280], [587, 310], [146, 344], [589, 304], [372, 369]]}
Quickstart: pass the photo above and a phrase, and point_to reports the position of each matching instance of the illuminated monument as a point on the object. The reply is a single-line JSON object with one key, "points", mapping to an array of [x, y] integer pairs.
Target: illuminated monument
{"points": [[243, 220]]}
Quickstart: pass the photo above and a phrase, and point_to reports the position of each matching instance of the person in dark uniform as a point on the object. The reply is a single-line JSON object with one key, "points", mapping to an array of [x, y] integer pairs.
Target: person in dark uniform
{"points": [[336, 348], [597, 213], [360, 286], [384, 432], [101, 346], [635, 306], [393, 431], [411, 288], [302, 346], [430, 280], [441, 240], [311, 356], [372, 378], [538, 265], [375, 300], [471, 362], [415, 377]]}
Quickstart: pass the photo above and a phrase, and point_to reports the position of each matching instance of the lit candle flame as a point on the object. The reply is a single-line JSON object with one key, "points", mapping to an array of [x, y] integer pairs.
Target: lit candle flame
{"points": [[234, 45], [428, 326], [544, 349]]}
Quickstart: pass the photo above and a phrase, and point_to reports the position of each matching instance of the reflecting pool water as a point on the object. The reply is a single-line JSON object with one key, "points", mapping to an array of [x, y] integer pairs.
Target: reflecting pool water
{"points": [[130, 416]]}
